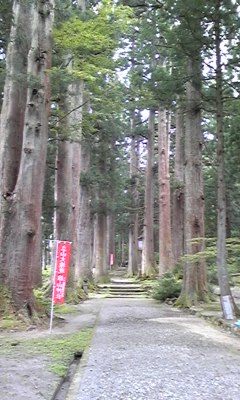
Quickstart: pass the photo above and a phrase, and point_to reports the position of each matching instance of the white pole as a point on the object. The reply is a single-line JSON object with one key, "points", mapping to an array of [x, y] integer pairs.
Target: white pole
{"points": [[52, 305]]}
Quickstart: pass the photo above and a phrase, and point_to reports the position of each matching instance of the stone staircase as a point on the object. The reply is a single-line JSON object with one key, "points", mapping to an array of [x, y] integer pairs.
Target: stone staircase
{"points": [[120, 287]]}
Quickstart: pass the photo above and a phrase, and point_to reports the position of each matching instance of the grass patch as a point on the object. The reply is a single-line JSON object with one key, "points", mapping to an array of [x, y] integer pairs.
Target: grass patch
{"points": [[63, 309], [9, 322], [215, 306], [61, 349]]}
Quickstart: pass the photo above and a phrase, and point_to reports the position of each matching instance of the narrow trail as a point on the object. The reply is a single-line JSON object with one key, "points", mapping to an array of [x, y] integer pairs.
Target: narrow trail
{"points": [[145, 351]]}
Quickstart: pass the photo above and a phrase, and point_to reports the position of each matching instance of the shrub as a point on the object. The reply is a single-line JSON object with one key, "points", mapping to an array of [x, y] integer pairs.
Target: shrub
{"points": [[212, 274], [168, 287]]}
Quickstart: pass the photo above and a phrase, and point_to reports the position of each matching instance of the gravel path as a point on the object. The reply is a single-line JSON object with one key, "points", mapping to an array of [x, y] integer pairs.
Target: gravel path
{"points": [[145, 351]]}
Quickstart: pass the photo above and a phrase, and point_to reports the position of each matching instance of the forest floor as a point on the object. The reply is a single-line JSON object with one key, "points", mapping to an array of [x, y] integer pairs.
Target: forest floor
{"points": [[32, 362]]}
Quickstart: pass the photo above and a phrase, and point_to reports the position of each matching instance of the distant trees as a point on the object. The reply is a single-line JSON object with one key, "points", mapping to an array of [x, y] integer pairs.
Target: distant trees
{"points": [[121, 77]]}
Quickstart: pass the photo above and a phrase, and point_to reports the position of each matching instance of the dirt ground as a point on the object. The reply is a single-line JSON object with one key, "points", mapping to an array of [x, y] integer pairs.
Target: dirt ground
{"points": [[26, 375]]}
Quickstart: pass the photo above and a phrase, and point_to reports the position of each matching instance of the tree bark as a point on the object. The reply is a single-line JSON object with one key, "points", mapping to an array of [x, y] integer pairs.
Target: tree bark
{"points": [[111, 238], [83, 266], [148, 262], [195, 277], [178, 194], [12, 113], [21, 239], [133, 228], [227, 302], [15, 95], [165, 238], [101, 271], [100, 247], [63, 183]]}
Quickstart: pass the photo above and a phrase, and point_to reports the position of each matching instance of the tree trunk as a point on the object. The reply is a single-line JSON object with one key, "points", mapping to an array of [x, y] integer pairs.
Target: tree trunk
{"points": [[63, 187], [123, 252], [111, 238], [83, 268], [148, 262], [64, 221], [21, 239], [15, 95], [81, 225], [178, 194], [165, 238], [100, 247], [133, 228], [195, 277], [12, 113], [101, 271], [227, 302]]}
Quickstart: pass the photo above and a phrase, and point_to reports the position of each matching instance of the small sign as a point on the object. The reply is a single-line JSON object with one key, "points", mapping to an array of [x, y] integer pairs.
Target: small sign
{"points": [[227, 307]]}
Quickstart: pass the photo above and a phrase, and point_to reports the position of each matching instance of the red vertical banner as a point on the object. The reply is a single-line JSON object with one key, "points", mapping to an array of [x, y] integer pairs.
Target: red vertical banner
{"points": [[111, 259], [61, 271]]}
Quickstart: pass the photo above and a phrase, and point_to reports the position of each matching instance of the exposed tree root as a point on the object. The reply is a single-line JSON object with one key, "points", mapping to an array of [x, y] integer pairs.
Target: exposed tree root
{"points": [[186, 300]]}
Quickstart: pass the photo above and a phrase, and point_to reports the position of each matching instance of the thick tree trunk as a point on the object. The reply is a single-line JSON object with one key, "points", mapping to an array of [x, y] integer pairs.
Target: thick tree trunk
{"points": [[15, 95], [76, 209], [148, 262], [64, 221], [63, 187], [81, 224], [195, 277], [178, 193], [100, 247], [101, 264], [12, 114], [21, 239], [83, 266], [165, 238], [227, 302], [133, 228]]}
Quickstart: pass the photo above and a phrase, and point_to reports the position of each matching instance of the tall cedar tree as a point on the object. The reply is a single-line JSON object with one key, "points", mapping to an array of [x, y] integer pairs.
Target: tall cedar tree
{"points": [[21, 203]]}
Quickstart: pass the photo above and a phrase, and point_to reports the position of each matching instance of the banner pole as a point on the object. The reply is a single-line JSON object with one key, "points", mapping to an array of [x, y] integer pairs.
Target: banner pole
{"points": [[52, 304]]}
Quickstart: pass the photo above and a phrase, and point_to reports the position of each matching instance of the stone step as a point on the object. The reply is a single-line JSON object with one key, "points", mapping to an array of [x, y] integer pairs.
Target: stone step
{"points": [[121, 293], [123, 287], [124, 294]]}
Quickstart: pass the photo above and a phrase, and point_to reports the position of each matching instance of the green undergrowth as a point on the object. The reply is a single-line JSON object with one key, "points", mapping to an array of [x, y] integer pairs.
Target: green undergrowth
{"points": [[213, 306], [6, 307], [59, 349], [9, 320], [76, 296], [103, 279], [167, 287]]}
